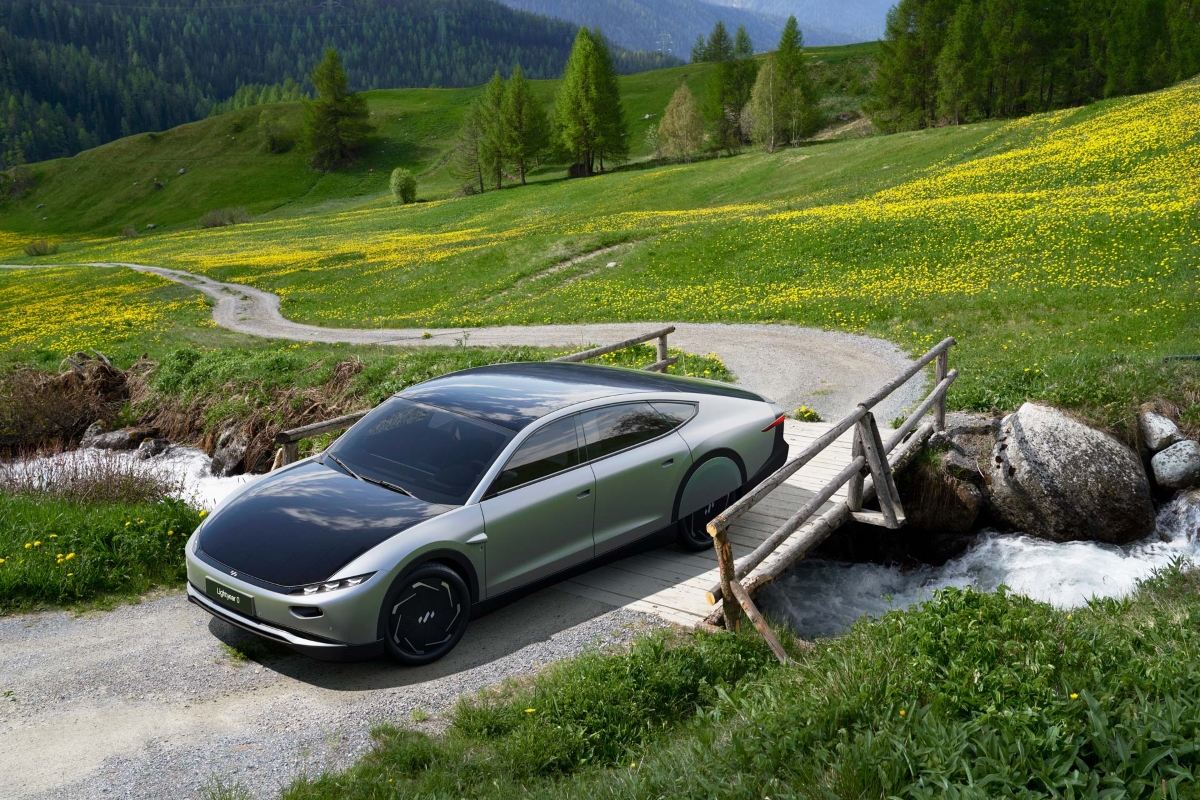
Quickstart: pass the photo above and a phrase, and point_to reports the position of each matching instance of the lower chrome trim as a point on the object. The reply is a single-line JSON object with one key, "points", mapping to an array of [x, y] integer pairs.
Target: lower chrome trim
{"points": [[260, 628]]}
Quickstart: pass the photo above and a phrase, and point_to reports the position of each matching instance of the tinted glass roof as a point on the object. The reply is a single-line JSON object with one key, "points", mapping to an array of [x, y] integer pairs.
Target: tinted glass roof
{"points": [[514, 395]]}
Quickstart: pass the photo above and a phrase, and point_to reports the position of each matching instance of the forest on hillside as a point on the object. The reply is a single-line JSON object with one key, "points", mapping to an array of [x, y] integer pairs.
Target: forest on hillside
{"points": [[74, 75], [951, 61]]}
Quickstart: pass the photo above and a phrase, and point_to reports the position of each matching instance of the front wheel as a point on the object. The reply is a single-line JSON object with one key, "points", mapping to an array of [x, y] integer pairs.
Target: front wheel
{"points": [[692, 533], [426, 614]]}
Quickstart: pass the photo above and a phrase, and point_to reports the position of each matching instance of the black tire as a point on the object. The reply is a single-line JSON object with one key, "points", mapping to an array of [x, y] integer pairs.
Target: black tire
{"points": [[692, 531], [425, 614]]}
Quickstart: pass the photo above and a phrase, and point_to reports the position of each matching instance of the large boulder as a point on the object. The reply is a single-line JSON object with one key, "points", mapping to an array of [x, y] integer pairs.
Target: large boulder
{"points": [[230, 454], [1057, 479], [1158, 431], [123, 439], [1177, 467]]}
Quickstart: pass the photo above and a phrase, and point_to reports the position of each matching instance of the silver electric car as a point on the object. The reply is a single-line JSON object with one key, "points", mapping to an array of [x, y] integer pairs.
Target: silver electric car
{"points": [[463, 492]]}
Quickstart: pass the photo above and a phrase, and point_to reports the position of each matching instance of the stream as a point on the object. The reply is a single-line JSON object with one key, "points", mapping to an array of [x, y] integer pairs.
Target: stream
{"points": [[823, 598]]}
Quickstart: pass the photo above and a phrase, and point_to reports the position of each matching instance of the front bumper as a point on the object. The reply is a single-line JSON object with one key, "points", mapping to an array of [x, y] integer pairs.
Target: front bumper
{"points": [[347, 626], [321, 650]]}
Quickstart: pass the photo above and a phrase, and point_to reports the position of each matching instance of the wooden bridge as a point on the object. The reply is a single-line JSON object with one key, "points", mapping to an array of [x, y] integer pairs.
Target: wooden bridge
{"points": [[834, 470]]}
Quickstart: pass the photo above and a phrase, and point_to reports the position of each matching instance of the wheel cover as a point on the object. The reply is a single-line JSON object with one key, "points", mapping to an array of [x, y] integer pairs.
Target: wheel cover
{"points": [[425, 616]]}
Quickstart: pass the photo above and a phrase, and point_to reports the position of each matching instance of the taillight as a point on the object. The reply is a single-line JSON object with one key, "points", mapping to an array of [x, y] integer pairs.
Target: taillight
{"points": [[776, 423]]}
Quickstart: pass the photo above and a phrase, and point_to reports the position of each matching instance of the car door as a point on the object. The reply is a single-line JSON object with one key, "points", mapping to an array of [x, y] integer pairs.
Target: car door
{"points": [[538, 511], [638, 461]]}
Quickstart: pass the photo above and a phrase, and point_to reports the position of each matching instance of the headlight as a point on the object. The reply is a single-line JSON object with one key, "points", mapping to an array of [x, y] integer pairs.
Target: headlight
{"points": [[331, 586]]}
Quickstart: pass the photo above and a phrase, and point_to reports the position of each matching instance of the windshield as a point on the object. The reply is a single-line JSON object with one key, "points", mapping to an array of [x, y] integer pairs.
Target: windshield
{"points": [[435, 455]]}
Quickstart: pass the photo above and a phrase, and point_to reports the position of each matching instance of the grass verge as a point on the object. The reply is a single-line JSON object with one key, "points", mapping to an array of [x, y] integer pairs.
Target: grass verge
{"points": [[62, 552], [968, 696]]}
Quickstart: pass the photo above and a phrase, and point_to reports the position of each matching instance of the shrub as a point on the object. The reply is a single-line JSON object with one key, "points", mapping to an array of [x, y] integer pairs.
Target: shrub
{"points": [[274, 137], [40, 408], [41, 248], [220, 217], [90, 476], [404, 187], [129, 231]]}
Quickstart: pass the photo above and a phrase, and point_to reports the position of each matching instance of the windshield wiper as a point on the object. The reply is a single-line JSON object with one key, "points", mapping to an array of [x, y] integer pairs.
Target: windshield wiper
{"points": [[375, 481]]}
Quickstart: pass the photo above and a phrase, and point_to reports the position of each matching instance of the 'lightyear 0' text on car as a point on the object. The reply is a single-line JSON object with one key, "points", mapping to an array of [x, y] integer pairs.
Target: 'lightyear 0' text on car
{"points": [[465, 491]]}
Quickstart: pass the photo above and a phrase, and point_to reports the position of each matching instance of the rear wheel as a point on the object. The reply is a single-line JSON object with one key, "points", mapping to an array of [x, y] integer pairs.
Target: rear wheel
{"points": [[426, 614], [692, 533]]}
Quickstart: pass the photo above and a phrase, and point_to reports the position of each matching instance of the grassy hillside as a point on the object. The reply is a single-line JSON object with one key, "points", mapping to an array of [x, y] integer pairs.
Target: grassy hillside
{"points": [[102, 190], [1060, 249]]}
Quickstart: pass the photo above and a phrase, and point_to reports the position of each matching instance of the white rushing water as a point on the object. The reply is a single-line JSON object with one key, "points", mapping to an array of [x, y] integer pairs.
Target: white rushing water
{"points": [[822, 598], [188, 467]]}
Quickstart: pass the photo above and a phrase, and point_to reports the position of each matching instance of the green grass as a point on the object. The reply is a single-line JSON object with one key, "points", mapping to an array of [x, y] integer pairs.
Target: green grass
{"points": [[57, 552], [968, 696], [1055, 248]]}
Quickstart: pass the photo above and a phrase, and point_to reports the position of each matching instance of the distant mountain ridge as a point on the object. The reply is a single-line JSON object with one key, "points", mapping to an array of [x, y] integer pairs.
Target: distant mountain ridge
{"points": [[862, 20], [639, 24]]}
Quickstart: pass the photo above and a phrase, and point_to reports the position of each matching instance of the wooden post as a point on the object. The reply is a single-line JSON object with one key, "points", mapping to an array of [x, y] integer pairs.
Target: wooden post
{"points": [[854, 490], [662, 350], [759, 623], [725, 566], [939, 375], [879, 469], [291, 453]]}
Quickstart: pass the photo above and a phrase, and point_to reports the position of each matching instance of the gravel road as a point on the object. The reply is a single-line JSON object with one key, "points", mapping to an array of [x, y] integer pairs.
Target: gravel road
{"points": [[146, 701]]}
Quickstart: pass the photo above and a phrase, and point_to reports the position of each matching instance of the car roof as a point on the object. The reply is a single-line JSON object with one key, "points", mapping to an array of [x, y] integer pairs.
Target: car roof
{"points": [[515, 395]]}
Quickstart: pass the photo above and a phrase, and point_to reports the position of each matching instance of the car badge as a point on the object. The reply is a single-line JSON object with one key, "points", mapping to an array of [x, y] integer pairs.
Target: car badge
{"points": [[233, 573]]}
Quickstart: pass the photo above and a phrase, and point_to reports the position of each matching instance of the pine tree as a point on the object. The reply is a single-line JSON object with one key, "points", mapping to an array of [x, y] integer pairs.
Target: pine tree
{"points": [[721, 108], [576, 109], [681, 131], [492, 150], [613, 141], [789, 56], [767, 107], [336, 125], [744, 69], [466, 162], [957, 81], [699, 51], [527, 130]]}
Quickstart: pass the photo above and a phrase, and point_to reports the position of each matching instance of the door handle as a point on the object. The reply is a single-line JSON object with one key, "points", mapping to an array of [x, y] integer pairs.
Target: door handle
{"points": [[669, 462], [583, 494]]}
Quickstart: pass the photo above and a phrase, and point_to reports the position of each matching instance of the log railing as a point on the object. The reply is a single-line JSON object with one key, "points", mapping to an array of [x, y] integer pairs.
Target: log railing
{"points": [[289, 440], [869, 474]]}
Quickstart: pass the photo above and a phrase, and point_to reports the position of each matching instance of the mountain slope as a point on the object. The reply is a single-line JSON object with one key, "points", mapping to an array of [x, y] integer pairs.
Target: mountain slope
{"points": [[862, 20], [74, 75], [639, 24]]}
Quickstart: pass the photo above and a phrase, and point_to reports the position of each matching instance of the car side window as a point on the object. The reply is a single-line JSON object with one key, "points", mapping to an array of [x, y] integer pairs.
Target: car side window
{"points": [[552, 449], [677, 413], [612, 429]]}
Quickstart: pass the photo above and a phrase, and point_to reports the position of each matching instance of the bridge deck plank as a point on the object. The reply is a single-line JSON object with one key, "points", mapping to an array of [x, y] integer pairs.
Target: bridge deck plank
{"points": [[669, 583]]}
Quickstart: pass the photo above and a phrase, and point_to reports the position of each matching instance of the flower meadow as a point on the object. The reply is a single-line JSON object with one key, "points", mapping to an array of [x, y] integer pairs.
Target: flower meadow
{"points": [[1061, 249]]}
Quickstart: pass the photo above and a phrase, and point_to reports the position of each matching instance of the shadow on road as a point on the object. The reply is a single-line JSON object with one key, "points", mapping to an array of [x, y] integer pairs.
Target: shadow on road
{"points": [[532, 619]]}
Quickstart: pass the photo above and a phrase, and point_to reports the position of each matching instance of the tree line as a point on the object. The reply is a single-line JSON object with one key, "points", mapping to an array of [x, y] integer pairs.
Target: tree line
{"points": [[769, 104], [952, 61], [74, 75], [508, 129]]}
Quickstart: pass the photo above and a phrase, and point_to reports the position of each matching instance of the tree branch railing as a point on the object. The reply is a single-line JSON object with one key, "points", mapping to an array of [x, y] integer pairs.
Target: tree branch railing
{"points": [[289, 440], [869, 474]]}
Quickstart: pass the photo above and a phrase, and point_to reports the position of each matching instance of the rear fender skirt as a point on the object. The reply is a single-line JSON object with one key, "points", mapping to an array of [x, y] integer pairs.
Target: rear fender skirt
{"points": [[718, 473]]}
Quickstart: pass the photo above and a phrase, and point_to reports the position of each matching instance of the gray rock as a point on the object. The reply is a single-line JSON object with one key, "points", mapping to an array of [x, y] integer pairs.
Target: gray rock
{"points": [[93, 430], [1158, 431], [228, 459], [150, 226], [151, 448], [1057, 479], [124, 439], [182, 170], [965, 423], [1177, 467]]}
